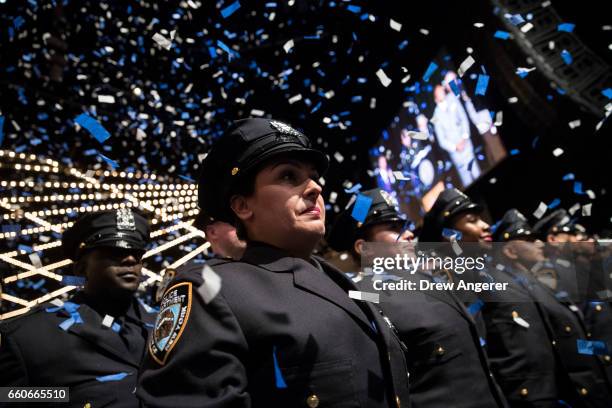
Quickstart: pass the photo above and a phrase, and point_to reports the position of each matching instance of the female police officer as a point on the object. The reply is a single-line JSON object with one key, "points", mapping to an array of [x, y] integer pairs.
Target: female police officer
{"points": [[277, 328]]}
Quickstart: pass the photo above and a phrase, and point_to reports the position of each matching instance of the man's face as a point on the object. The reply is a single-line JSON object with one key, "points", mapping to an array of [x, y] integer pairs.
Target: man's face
{"points": [[472, 227], [224, 241], [286, 209], [111, 270], [527, 253], [406, 139]]}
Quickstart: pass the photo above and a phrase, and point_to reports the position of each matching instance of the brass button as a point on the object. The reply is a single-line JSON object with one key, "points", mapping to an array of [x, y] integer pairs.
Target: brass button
{"points": [[598, 308], [397, 401], [554, 343], [312, 401], [235, 171], [589, 335], [88, 405], [606, 358], [568, 329], [584, 391], [440, 351], [524, 392], [515, 314]]}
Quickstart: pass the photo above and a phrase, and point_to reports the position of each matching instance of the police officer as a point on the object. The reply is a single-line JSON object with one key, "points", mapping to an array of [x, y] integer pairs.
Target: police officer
{"points": [[533, 336], [447, 363], [277, 328], [580, 272], [454, 216], [224, 241], [93, 343]]}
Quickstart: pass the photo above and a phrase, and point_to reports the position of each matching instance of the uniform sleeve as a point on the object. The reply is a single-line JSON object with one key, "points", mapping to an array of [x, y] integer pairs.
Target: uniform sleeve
{"points": [[204, 367], [12, 367]]}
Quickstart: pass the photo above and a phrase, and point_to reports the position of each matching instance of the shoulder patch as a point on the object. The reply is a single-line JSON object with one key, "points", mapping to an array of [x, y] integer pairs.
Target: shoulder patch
{"points": [[171, 321]]}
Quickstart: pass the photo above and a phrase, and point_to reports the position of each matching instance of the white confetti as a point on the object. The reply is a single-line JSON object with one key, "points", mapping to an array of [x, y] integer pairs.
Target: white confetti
{"points": [[520, 321], [288, 46], [424, 31], [405, 79], [108, 321], [465, 65], [400, 176], [295, 99], [211, 286], [106, 99], [586, 210], [383, 78], [395, 25], [539, 212], [478, 25], [557, 152], [513, 99], [573, 209], [526, 27], [551, 45], [499, 118], [574, 124], [563, 262], [257, 112], [332, 197], [493, 180], [591, 194], [372, 103], [57, 302], [338, 157], [35, 260], [162, 41], [364, 296]]}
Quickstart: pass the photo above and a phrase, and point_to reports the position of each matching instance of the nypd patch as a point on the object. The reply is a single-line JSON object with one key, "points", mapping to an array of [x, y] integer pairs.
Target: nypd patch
{"points": [[171, 321]]}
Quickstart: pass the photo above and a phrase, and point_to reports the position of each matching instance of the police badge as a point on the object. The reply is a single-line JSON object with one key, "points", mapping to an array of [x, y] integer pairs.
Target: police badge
{"points": [[390, 200], [171, 321], [125, 220]]}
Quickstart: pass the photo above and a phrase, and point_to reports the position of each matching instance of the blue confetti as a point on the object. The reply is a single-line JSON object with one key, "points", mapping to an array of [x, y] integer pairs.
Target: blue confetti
{"points": [[514, 152], [93, 126], [25, 248], [353, 9], [361, 208], [112, 377], [592, 348], [111, 162], [229, 10], [569, 176], [567, 27], [567, 57], [430, 70], [450, 233], [353, 189], [502, 35], [516, 19], [475, 307], [454, 87], [554, 203], [280, 381], [483, 342], [18, 22], [606, 92], [482, 84], [578, 187], [1, 129], [116, 327], [69, 280], [186, 178]]}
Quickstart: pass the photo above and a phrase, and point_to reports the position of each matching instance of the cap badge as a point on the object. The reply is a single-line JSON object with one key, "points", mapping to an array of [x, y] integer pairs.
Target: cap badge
{"points": [[122, 244], [390, 200], [285, 129], [235, 171], [125, 220]]}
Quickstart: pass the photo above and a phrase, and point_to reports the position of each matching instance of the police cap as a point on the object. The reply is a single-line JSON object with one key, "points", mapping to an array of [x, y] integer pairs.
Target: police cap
{"points": [[122, 228], [557, 222], [449, 203], [346, 230], [513, 225], [246, 145]]}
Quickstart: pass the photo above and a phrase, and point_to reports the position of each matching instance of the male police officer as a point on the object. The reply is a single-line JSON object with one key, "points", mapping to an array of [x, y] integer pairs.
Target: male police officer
{"points": [[94, 343], [277, 328], [447, 363], [534, 337]]}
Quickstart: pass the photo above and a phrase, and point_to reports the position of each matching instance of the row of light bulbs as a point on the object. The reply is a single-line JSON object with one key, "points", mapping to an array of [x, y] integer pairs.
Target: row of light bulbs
{"points": [[57, 184], [24, 156], [29, 167]]}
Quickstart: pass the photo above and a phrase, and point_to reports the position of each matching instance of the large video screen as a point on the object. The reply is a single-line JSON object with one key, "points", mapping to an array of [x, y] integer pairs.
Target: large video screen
{"points": [[446, 135]]}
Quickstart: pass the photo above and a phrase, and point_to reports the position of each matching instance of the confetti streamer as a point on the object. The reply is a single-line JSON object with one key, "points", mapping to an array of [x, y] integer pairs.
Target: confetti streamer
{"points": [[211, 286], [465, 65], [278, 375], [430, 70], [567, 57], [364, 296], [539, 212], [112, 377], [482, 84], [93, 126], [229, 10], [502, 35], [567, 27], [361, 208], [383, 78]]}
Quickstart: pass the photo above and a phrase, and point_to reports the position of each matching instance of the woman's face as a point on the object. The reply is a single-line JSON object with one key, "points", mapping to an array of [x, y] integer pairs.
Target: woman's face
{"points": [[286, 209], [472, 227]]}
